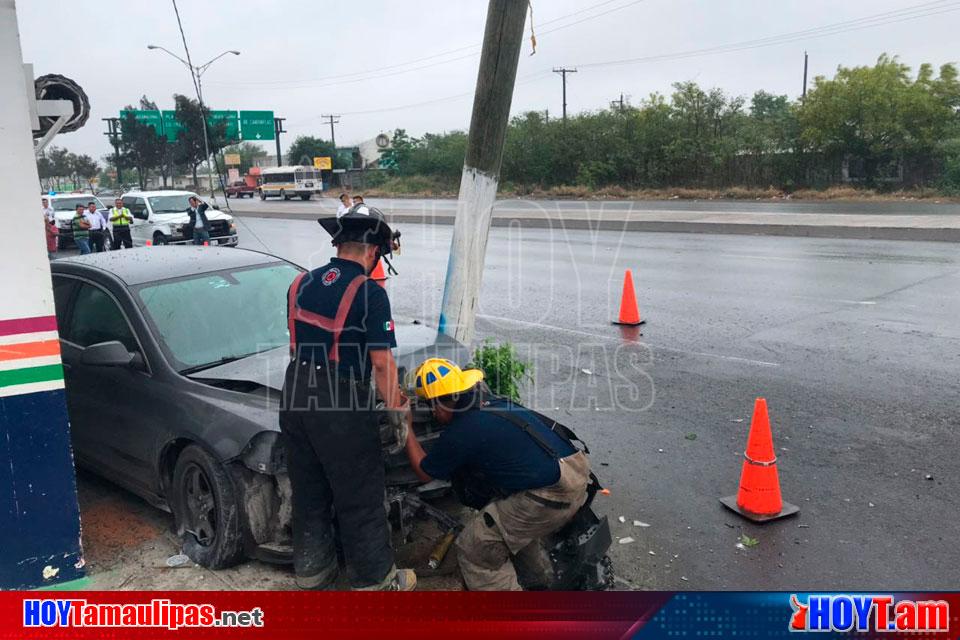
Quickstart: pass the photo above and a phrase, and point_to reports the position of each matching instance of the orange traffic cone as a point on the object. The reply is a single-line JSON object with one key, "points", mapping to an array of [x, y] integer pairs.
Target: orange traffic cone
{"points": [[629, 311], [378, 275], [149, 243], [759, 496]]}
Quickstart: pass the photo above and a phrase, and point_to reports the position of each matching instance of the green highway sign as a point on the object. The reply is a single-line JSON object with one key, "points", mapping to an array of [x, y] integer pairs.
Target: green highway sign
{"points": [[256, 125], [150, 118], [247, 125], [171, 126], [233, 123]]}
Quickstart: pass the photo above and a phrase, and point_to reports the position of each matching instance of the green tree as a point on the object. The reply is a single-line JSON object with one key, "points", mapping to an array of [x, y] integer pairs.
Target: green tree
{"points": [[189, 150], [83, 168], [249, 153], [879, 114], [141, 146], [305, 148]]}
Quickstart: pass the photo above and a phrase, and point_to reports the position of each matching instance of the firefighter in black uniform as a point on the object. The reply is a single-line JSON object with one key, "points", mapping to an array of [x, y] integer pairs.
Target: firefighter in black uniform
{"points": [[341, 333]]}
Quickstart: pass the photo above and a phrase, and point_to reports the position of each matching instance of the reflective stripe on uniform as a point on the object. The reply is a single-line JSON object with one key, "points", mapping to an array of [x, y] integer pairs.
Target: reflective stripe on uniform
{"points": [[333, 325], [124, 217]]}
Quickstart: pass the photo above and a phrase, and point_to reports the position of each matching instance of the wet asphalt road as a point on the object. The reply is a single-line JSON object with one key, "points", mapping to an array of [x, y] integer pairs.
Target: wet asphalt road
{"points": [[855, 345], [512, 205]]}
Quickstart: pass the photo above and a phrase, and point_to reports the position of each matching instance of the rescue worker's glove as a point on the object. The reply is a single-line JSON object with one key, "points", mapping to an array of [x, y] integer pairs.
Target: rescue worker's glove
{"points": [[399, 420]]}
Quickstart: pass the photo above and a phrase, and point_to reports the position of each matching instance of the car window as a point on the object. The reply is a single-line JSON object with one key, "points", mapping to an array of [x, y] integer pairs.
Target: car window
{"points": [[214, 316], [171, 204], [97, 318], [62, 289], [137, 206]]}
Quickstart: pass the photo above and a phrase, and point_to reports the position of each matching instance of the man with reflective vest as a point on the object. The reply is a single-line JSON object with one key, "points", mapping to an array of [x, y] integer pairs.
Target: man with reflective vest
{"points": [[519, 468], [341, 335], [121, 219]]}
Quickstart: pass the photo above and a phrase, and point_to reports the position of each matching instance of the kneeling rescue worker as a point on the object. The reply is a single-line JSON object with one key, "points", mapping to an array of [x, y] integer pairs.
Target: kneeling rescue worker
{"points": [[521, 471], [341, 333]]}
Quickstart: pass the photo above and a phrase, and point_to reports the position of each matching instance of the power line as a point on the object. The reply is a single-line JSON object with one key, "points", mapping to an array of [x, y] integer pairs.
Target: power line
{"points": [[351, 78], [867, 22], [876, 20]]}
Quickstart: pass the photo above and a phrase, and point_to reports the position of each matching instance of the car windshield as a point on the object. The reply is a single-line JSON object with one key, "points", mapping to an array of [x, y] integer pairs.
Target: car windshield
{"points": [[70, 204], [216, 317], [170, 204]]}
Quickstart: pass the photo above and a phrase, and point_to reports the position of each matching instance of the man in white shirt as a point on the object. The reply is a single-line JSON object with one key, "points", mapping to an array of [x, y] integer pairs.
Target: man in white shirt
{"points": [[345, 204], [48, 211], [98, 227]]}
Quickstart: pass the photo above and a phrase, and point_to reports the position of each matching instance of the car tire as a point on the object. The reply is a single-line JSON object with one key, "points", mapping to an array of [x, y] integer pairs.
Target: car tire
{"points": [[159, 239], [305, 196], [206, 509]]}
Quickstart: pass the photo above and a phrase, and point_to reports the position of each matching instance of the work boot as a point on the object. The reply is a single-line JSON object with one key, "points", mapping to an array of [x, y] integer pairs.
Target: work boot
{"points": [[319, 581], [395, 580]]}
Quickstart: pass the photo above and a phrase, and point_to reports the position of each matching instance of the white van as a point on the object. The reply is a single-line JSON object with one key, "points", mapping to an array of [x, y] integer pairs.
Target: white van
{"points": [[160, 217]]}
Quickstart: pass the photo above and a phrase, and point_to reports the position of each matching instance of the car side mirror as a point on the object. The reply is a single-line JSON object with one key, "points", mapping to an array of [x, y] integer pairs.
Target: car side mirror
{"points": [[110, 354]]}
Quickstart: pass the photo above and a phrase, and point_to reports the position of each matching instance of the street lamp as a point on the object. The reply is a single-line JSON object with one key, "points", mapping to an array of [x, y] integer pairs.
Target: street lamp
{"points": [[196, 73]]}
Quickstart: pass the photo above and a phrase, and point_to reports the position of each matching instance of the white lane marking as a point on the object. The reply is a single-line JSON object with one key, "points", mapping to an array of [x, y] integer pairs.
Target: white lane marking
{"points": [[599, 336]]}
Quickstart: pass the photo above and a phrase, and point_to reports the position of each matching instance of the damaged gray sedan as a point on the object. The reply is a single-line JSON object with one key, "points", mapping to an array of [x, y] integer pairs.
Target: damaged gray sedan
{"points": [[174, 359]]}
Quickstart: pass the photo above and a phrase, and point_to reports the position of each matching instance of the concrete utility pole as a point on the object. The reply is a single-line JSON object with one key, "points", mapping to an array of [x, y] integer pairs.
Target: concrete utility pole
{"points": [[806, 61], [277, 130], [502, 40], [333, 138], [40, 536], [563, 71]]}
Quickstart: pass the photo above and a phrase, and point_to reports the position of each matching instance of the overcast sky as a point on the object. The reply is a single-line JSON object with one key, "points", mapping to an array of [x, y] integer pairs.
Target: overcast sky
{"points": [[388, 64]]}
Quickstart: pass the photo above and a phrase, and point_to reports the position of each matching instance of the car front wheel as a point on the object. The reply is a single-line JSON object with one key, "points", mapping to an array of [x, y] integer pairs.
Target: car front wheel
{"points": [[206, 509]]}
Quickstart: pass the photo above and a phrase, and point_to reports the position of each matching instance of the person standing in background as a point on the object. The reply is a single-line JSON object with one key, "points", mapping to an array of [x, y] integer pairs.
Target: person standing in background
{"points": [[121, 218], [50, 224], [81, 230], [345, 204], [48, 211]]}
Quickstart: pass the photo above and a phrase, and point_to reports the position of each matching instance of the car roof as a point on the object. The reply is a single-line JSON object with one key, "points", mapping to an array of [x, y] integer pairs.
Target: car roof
{"points": [[151, 264], [151, 194], [70, 195]]}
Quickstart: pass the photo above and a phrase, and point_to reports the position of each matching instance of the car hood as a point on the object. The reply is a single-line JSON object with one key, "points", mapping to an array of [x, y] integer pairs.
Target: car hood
{"points": [[417, 342], [176, 218]]}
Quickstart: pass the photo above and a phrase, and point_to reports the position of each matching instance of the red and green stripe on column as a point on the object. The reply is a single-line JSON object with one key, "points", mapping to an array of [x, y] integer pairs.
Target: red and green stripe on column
{"points": [[29, 356]]}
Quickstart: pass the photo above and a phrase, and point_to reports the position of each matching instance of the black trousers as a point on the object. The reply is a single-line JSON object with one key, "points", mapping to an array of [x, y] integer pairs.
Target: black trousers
{"points": [[96, 240], [332, 441], [121, 235]]}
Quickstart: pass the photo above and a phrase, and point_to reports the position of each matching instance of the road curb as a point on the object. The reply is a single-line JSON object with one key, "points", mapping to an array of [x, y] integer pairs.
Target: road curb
{"points": [[861, 232]]}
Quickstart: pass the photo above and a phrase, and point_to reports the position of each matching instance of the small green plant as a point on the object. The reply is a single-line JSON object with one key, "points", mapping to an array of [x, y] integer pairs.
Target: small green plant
{"points": [[503, 371]]}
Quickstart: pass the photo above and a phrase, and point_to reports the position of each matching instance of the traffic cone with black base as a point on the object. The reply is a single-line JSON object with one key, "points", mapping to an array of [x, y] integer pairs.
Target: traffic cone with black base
{"points": [[629, 311], [378, 275], [759, 498]]}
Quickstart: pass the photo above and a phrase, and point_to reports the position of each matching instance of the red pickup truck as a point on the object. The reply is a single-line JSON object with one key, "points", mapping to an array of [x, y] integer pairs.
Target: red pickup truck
{"points": [[240, 190]]}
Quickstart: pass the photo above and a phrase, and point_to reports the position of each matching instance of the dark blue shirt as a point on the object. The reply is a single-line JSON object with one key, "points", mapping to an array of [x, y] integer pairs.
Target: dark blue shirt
{"points": [[368, 327], [479, 441]]}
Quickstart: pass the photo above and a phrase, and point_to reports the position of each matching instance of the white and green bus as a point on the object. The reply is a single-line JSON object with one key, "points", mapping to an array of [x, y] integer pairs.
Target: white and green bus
{"points": [[290, 182]]}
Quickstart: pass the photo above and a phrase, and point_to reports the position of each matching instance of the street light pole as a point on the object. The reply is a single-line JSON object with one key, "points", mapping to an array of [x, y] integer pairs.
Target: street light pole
{"points": [[196, 73]]}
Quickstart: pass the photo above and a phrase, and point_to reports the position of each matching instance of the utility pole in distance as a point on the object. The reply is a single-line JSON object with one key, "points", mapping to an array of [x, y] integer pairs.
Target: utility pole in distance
{"points": [[502, 40], [333, 138], [563, 71], [805, 62], [113, 132], [277, 130]]}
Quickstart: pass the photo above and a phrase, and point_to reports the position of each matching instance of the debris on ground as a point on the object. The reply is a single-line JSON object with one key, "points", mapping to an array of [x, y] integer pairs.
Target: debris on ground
{"points": [[803, 526], [684, 578], [928, 477], [626, 540], [637, 523], [659, 450], [652, 552], [586, 371], [691, 436], [622, 519], [746, 542], [178, 560], [737, 420], [871, 505]]}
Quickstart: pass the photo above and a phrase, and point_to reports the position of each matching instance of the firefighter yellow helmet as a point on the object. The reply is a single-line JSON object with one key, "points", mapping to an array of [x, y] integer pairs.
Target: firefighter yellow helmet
{"points": [[438, 377]]}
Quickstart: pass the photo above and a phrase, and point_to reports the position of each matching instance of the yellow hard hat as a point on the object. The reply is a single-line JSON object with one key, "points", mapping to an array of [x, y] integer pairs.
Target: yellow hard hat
{"points": [[438, 377]]}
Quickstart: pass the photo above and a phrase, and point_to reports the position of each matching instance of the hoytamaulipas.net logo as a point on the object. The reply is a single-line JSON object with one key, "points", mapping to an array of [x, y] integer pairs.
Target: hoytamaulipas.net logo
{"points": [[868, 613], [62, 612]]}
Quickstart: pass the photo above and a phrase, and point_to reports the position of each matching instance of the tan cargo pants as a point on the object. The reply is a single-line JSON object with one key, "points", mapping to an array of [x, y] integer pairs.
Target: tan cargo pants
{"points": [[505, 527]]}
